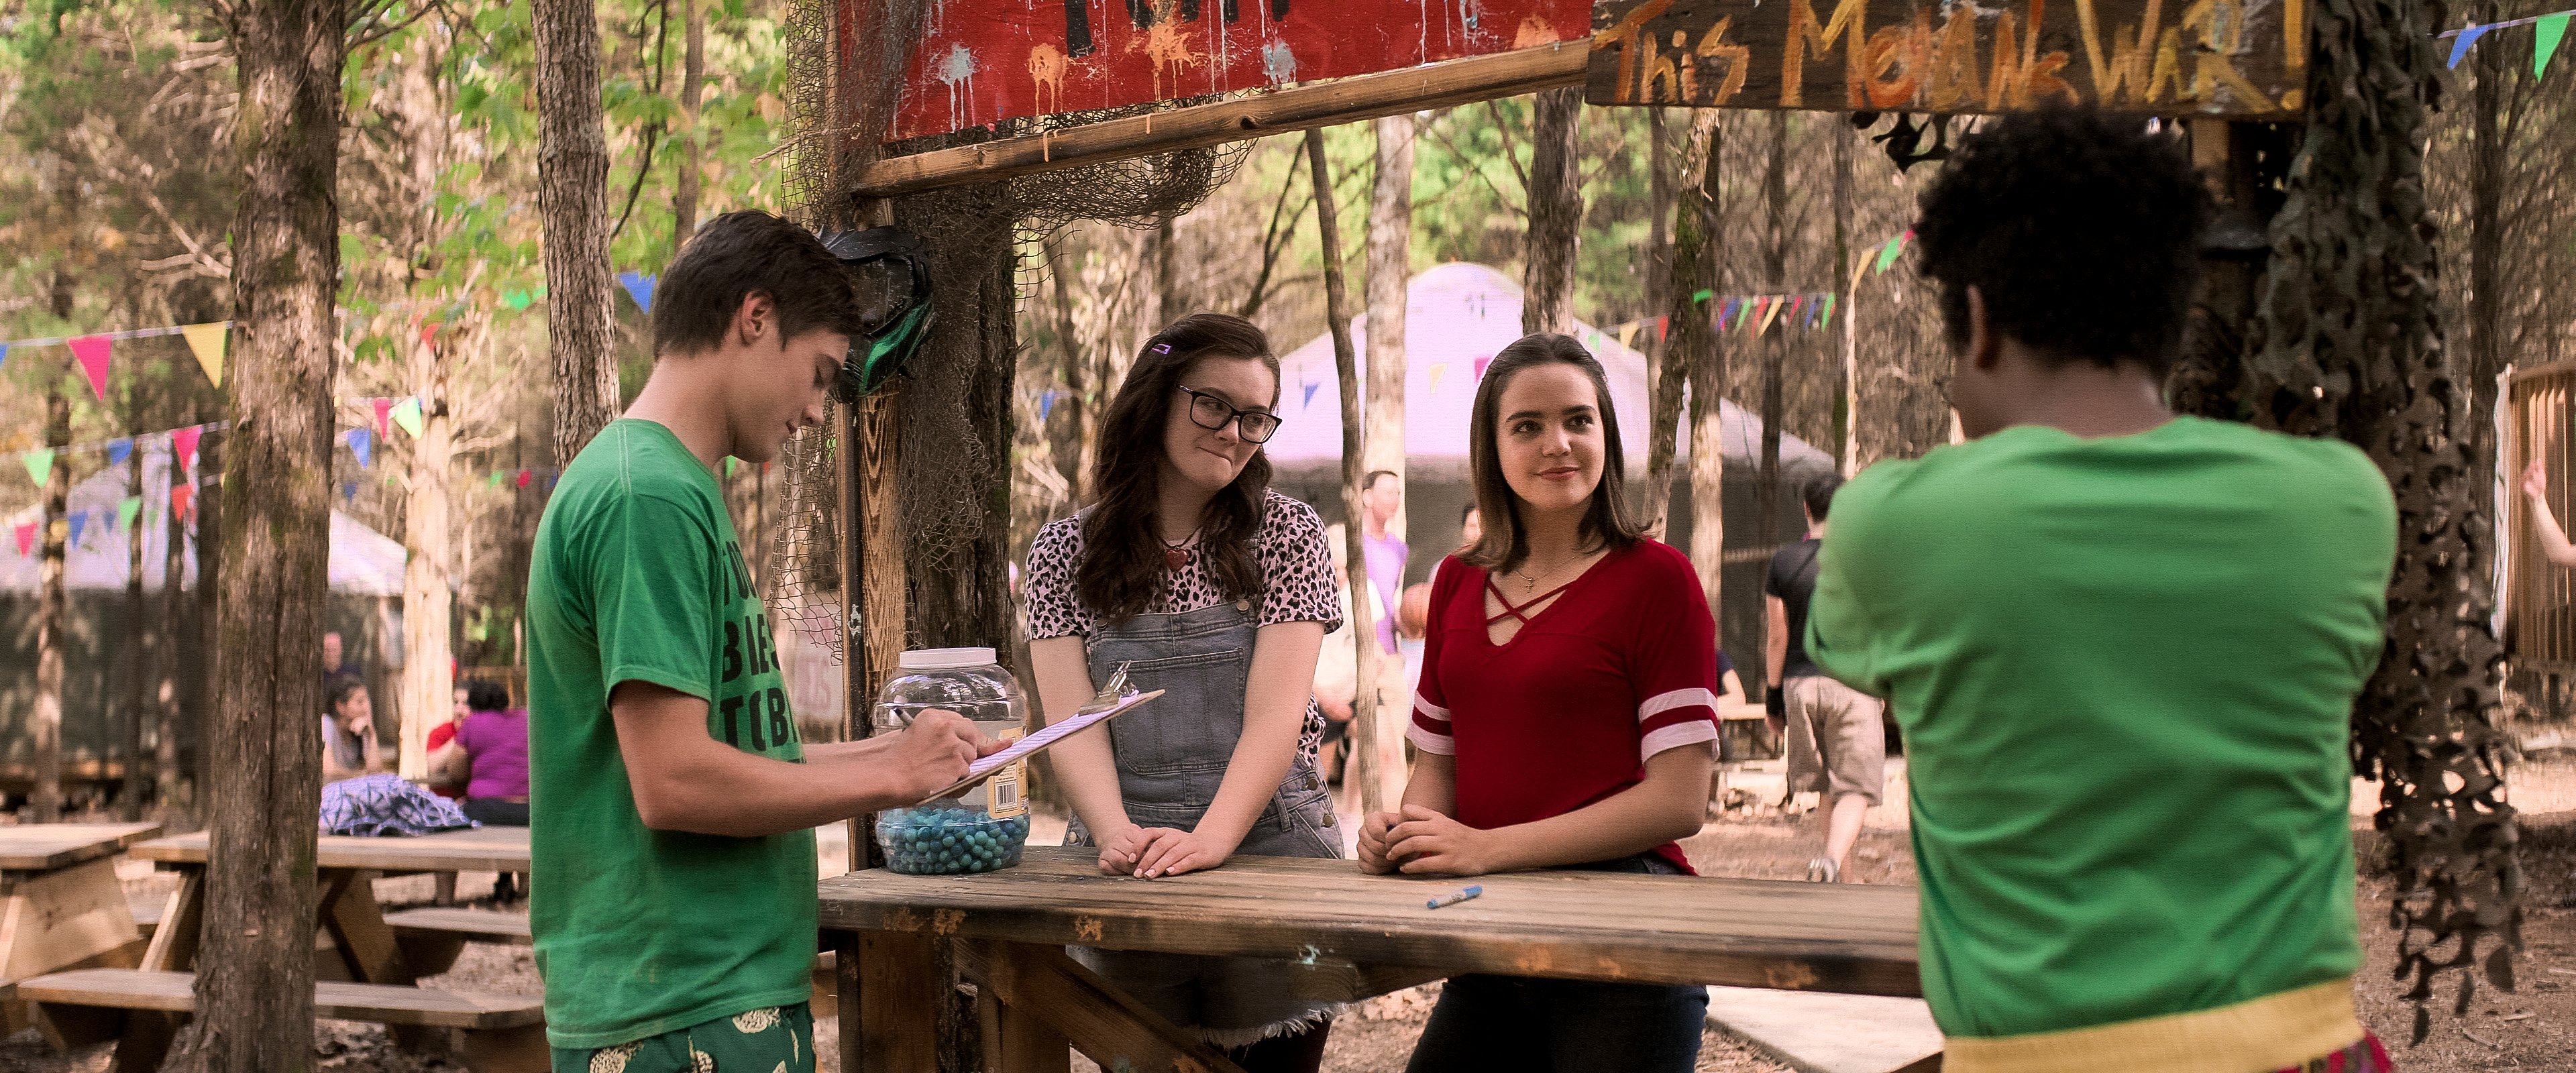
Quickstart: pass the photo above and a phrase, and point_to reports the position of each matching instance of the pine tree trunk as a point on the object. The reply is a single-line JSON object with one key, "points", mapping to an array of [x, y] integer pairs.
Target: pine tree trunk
{"points": [[954, 497], [1390, 273], [428, 676], [1555, 213], [572, 197], [208, 504], [1337, 316], [1846, 385], [1775, 344], [174, 652], [1696, 266], [2487, 147], [148, 648], [1689, 340], [46, 728], [254, 983], [693, 72]]}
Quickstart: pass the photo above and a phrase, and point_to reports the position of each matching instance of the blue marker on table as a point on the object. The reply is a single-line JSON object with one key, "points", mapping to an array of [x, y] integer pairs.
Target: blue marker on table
{"points": [[1453, 899]]}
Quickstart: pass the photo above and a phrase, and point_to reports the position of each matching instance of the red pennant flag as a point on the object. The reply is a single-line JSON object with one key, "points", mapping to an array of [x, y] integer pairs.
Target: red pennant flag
{"points": [[184, 441], [181, 495], [26, 539], [1662, 324], [92, 350], [428, 332], [524, 477], [383, 407]]}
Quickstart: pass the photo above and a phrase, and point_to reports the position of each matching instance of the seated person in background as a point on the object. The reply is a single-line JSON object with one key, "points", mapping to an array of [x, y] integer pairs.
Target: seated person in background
{"points": [[489, 756], [443, 782], [1337, 671], [349, 746]]}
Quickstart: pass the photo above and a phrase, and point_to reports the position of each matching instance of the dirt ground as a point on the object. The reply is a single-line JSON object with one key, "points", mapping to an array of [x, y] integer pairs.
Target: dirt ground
{"points": [[2533, 1029]]}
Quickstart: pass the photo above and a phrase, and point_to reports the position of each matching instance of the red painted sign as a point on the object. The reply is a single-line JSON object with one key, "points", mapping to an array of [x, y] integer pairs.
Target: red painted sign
{"points": [[983, 61]]}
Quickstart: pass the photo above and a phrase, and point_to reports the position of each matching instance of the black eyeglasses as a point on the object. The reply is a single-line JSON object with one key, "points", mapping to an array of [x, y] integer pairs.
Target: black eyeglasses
{"points": [[1212, 413]]}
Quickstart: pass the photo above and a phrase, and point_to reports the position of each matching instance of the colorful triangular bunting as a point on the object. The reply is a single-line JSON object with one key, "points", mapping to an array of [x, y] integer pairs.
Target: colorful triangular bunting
{"points": [[183, 441], [118, 450], [126, 509], [80, 522], [2545, 38], [40, 465], [640, 286], [362, 443], [1438, 370], [406, 416], [181, 495], [26, 539], [93, 351], [206, 341], [2460, 44]]}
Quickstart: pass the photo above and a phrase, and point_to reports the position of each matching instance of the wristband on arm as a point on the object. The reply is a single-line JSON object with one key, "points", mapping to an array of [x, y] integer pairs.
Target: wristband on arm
{"points": [[1775, 702]]}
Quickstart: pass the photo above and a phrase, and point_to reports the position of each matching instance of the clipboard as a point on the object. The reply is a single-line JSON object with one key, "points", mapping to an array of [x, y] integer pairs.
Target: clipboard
{"points": [[1029, 746]]}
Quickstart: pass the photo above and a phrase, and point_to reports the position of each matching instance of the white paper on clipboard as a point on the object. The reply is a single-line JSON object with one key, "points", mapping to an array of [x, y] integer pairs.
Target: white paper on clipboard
{"points": [[1029, 746]]}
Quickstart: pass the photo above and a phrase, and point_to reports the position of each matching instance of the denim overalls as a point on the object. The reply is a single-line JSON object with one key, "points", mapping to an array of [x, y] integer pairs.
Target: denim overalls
{"points": [[1171, 756]]}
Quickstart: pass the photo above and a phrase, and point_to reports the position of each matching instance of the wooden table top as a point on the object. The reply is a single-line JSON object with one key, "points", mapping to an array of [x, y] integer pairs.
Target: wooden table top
{"points": [[43, 847], [1580, 925], [474, 849]]}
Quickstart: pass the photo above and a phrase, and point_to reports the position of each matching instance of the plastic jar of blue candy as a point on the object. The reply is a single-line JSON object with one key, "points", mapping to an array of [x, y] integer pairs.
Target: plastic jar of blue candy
{"points": [[986, 826]]}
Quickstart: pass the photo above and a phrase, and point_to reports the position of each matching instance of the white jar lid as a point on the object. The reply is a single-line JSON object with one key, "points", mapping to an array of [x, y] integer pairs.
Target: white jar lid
{"points": [[940, 659]]}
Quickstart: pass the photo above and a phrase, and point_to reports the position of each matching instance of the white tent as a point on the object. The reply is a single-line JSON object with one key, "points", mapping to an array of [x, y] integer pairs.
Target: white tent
{"points": [[363, 562], [1457, 317]]}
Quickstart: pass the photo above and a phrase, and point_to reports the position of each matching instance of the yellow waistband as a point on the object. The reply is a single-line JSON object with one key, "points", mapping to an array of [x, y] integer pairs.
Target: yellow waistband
{"points": [[2261, 1035]]}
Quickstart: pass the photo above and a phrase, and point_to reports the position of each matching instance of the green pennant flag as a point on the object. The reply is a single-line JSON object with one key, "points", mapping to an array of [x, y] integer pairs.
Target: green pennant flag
{"points": [[1887, 254], [40, 465], [126, 510], [729, 464], [2544, 44], [1702, 296], [516, 299], [406, 416]]}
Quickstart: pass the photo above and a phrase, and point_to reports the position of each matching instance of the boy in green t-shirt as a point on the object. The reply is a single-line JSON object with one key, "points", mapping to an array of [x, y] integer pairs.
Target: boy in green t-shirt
{"points": [[671, 805], [2123, 645]]}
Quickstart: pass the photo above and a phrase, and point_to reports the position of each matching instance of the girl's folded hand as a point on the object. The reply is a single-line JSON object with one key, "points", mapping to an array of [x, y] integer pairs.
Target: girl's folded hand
{"points": [[1375, 841], [1427, 841]]}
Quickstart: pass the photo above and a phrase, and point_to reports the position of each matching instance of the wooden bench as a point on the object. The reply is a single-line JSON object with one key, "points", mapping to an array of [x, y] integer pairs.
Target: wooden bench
{"points": [[142, 1011], [432, 938]]}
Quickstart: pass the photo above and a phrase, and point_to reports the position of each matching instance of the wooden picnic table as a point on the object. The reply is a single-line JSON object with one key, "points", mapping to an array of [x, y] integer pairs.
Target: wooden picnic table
{"points": [[60, 903], [1351, 935]]}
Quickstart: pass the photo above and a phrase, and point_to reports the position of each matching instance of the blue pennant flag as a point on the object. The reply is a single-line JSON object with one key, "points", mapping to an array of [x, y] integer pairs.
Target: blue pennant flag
{"points": [[80, 521], [1046, 404], [1310, 396], [118, 450], [641, 286], [362, 442], [2460, 45], [4, 353], [349, 490]]}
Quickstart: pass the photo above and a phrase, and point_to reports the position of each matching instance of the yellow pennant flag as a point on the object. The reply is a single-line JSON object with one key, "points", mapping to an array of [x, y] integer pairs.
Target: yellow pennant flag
{"points": [[207, 341], [1771, 314], [1437, 368], [1627, 334]]}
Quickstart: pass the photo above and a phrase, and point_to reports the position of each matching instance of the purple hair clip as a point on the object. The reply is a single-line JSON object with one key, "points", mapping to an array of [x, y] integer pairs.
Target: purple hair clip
{"points": [[1162, 348]]}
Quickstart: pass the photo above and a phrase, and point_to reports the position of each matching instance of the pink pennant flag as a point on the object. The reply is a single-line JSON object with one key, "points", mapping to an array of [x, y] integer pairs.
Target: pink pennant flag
{"points": [[92, 350], [184, 441], [1480, 366], [383, 407], [26, 539], [524, 476]]}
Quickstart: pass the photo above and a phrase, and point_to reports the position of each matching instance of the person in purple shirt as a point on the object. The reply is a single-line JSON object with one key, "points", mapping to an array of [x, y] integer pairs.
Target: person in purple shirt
{"points": [[490, 756], [1381, 497]]}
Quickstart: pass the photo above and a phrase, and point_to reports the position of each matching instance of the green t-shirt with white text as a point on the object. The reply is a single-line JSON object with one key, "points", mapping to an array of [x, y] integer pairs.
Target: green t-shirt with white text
{"points": [[2124, 668], [639, 576]]}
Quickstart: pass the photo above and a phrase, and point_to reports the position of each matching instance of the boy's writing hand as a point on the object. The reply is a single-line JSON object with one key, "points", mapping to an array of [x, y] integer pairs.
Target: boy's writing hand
{"points": [[1375, 841], [935, 750], [1427, 841]]}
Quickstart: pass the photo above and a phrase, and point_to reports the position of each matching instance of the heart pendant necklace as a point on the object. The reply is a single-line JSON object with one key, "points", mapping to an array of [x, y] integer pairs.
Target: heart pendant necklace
{"points": [[1178, 555]]}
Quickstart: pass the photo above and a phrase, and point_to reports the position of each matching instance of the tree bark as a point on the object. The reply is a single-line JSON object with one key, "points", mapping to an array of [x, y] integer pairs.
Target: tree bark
{"points": [[1555, 213], [1846, 390], [1074, 369], [148, 649], [1696, 267], [1690, 341], [46, 728], [428, 678], [172, 653], [572, 198], [2488, 352], [1390, 274], [954, 498], [208, 503], [1337, 315], [254, 984], [1775, 348], [693, 72]]}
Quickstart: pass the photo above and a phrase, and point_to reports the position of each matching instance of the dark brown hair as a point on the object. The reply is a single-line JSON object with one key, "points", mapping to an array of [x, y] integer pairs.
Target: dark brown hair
{"points": [[1122, 567], [1606, 523], [740, 254]]}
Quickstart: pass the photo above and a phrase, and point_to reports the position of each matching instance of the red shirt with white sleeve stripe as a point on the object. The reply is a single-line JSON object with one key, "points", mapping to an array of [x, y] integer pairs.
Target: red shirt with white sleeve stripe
{"points": [[1622, 666]]}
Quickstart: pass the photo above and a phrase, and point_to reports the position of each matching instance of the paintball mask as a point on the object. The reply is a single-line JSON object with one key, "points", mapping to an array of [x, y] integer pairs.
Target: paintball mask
{"points": [[891, 338]]}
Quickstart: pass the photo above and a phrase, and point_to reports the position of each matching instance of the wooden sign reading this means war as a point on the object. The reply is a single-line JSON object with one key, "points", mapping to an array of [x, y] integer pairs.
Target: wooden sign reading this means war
{"points": [[2239, 59]]}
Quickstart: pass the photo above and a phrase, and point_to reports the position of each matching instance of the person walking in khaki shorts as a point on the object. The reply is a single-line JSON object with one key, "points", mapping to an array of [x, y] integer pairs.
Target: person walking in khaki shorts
{"points": [[1836, 741]]}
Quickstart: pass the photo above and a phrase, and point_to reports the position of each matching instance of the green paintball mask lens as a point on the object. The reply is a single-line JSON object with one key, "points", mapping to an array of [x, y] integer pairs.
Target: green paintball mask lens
{"points": [[891, 339]]}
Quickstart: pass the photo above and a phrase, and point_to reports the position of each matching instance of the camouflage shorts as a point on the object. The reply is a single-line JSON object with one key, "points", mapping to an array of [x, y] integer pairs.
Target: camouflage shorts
{"points": [[779, 1039]]}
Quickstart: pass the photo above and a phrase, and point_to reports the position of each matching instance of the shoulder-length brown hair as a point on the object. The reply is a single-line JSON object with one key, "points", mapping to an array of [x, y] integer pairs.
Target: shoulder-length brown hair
{"points": [[1606, 523], [1122, 568]]}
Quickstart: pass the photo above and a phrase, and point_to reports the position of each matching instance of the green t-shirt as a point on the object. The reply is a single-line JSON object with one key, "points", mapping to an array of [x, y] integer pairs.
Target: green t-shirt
{"points": [[638, 576], [2125, 670]]}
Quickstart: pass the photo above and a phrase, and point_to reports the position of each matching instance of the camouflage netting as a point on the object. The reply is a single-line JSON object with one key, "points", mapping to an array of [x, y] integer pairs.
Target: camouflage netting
{"points": [[948, 497]]}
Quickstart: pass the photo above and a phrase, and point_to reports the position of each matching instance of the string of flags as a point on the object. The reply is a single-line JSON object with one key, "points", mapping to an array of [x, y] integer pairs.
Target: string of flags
{"points": [[2549, 31], [94, 351]]}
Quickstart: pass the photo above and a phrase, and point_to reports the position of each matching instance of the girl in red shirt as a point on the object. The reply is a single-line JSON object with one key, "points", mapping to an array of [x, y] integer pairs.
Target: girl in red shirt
{"points": [[1565, 716]]}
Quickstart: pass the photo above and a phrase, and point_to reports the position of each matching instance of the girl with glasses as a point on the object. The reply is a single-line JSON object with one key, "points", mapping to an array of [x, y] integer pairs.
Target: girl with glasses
{"points": [[1564, 719], [1203, 582]]}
